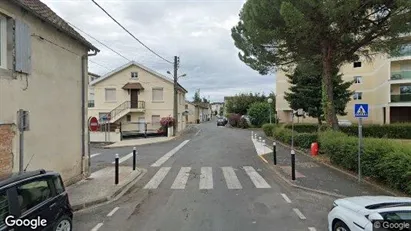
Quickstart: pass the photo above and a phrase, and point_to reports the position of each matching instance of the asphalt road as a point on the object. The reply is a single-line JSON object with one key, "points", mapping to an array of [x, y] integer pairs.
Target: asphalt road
{"points": [[214, 181]]}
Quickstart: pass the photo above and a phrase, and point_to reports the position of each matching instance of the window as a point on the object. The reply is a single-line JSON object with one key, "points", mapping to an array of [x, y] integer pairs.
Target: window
{"points": [[91, 99], [110, 94], [3, 42], [357, 79], [396, 216], [357, 96], [4, 207], [134, 75], [128, 117], [357, 64], [157, 94], [59, 185], [33, 193], [155, 120]]}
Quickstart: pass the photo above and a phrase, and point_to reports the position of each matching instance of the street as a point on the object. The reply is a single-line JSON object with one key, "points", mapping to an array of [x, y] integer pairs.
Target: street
{"points": [[212, 180]]}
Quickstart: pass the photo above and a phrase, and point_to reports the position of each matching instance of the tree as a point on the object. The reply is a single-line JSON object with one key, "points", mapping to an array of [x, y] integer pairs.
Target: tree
{"points": [[259, 113], [196, 98], [306, 90], [279, 33], [221, 111], [205, 100], [240, 103]]}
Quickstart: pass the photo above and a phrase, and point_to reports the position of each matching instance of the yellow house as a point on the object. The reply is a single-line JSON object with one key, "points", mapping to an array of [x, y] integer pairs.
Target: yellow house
{"points": [[134, 95], [43, 70], [384, 84]]}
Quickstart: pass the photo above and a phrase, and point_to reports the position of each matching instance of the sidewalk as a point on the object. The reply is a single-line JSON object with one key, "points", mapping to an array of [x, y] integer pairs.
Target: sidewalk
{"points": [[100, 187], [137, 142], [312, 174]]}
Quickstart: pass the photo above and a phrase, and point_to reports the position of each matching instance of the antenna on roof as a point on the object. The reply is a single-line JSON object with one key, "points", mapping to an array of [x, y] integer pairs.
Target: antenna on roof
{"points": [[28, 163]]}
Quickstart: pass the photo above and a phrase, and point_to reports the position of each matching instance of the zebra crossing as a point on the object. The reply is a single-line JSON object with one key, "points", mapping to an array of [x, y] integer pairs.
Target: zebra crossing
{"points": [[206, 180]]}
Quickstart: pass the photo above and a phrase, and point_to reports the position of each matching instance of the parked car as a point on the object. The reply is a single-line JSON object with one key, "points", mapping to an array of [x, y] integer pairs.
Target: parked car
{"points": [[221, 122], [344, 123], [360, 213], [36, 199]]}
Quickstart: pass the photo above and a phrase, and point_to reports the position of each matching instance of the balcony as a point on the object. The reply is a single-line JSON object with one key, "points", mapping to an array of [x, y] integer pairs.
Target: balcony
{"points": [[398, 98], [398, 75]]}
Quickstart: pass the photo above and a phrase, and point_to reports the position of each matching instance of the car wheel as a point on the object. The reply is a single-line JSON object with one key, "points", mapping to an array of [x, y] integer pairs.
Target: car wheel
{"points": [[63, 224], [340, 226]]}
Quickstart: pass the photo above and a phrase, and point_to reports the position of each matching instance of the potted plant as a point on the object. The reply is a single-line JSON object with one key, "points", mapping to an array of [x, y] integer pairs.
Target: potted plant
{"points": [[168, 123]]}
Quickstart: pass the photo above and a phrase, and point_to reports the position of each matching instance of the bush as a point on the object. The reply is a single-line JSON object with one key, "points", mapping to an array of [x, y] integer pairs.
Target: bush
{"points": [[303, 128], [259, 113], [304, 140], [391, 131], [234, 119], [283, 135], [268, 129], [243, 123], [384, 160]]}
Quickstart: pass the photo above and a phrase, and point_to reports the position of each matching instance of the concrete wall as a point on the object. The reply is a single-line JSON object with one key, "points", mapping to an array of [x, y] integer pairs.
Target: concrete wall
{"points": [[52, 94], [105, 137], [148, 81]]}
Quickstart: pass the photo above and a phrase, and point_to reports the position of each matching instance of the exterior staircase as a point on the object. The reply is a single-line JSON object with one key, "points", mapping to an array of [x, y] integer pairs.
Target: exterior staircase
{"points": [[123, 109]]}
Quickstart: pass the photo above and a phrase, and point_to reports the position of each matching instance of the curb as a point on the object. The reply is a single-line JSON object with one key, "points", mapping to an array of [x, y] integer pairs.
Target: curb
{"points": [[339, 170], [302, 187], [135, 145], [113, 195]]}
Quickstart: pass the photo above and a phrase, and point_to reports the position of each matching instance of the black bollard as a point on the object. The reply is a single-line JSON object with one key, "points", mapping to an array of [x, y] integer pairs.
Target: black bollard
{"points": [[292, 164], [134, 158], [116, 170], [275, 153]]}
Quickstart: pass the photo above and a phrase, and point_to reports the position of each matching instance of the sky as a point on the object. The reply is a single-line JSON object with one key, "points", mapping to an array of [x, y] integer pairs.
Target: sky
{"points": [[198, 31]]}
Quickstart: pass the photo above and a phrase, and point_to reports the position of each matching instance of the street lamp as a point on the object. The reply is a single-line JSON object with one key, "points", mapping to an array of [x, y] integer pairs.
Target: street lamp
{"points": [[270, 101]]}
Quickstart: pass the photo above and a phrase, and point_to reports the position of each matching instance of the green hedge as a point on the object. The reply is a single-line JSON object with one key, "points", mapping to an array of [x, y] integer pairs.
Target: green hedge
{"points": [[304, 140], [392, 131], [268, 129], [303, 128], [283, 135], [383, 160]]}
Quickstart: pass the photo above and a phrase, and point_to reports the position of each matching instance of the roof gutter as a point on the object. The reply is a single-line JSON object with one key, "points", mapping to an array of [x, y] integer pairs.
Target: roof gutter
{"points": [[84, 59]]}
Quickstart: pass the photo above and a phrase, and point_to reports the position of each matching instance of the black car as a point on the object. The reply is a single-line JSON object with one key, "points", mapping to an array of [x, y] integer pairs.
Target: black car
{"points": [[35, 200], [221, 122]]}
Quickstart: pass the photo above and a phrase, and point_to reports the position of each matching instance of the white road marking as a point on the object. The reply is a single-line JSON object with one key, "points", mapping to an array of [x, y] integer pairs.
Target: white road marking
{"points": [[286, 198], [112, 212], [197, 132], [299, 214], [157, 178], [182, 178], [95, 154], [311, 229], [169, 154], [256, 178], [231, 178], [124, 158], [206, 178], [97, 227]]}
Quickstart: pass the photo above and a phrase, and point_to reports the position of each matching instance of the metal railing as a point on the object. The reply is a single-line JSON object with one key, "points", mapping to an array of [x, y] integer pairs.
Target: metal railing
{"points": [[124, 106], [140, 105], [397, 75], [395, 98]]}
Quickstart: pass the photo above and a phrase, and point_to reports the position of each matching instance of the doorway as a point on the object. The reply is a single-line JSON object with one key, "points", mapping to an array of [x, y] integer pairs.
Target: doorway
{"points": [[134, 98], [141, 124]]}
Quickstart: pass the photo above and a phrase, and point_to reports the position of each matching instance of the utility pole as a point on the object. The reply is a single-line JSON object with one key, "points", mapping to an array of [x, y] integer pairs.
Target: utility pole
{"points": [[175, 109]]}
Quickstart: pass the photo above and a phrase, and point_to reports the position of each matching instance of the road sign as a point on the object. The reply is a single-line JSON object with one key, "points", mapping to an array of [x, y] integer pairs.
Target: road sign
{"points": [[93, 124], [361, 110]]}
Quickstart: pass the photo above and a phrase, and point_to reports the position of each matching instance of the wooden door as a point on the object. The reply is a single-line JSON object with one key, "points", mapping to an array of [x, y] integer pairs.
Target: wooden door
{"points": [[134, 98]]}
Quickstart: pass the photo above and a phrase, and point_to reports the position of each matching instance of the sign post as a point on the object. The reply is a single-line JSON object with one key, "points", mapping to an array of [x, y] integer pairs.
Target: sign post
{"points": [[360, 112]]}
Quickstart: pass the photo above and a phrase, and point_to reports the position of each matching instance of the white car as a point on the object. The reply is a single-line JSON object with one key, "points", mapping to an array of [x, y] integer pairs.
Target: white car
{"points": [[344, 123], [360, 213]]}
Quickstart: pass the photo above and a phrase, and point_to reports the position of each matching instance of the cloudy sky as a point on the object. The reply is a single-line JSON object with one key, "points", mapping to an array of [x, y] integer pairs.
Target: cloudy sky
{"points": [[198, 31]]}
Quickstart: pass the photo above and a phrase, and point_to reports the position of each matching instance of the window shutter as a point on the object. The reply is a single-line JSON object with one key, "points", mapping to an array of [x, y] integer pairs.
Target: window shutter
{"points": [[23, 47]]}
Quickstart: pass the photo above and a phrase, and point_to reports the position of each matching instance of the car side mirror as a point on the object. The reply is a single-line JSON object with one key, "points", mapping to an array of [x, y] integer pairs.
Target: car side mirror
{"points": [[375, 217]]}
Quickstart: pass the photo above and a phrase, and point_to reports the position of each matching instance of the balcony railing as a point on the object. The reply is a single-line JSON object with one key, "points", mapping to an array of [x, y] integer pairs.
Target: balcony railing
{"points": [[400, 75], [400, 98]]}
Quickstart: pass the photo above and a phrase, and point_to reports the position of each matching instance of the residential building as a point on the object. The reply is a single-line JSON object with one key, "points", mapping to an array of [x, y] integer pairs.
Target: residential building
{"points": [[43, 70], [197, 112], [91, 77], [384, 83], [136, 95], [216, 107]]}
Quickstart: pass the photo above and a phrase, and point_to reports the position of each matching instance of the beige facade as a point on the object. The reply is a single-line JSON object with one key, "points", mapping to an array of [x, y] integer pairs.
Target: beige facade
{"points": [[135, 93], [197, 112], [49, 81], [384, 83], [216, 107]]}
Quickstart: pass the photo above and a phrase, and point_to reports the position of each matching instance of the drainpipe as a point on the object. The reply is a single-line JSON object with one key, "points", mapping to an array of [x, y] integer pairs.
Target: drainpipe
{"points": [[84, 58]]}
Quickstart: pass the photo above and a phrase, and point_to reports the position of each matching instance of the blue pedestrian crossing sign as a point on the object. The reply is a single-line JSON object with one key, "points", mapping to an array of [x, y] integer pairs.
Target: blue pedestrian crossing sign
{"points": [[361, 110]]}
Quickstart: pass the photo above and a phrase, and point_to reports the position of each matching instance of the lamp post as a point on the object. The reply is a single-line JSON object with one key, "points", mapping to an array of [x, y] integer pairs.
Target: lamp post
{"points": [[270, 101]]}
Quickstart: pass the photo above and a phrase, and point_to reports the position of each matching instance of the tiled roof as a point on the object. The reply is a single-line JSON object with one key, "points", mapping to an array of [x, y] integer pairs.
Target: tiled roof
{"points": [[43, 12]]}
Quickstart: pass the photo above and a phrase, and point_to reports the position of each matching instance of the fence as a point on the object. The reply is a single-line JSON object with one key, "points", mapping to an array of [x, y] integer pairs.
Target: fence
{"points": [[139, 128]]}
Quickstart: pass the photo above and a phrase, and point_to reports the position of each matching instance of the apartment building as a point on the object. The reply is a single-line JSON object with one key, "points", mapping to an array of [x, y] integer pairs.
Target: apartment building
{"points": [[384, 83], [136, 96]]}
